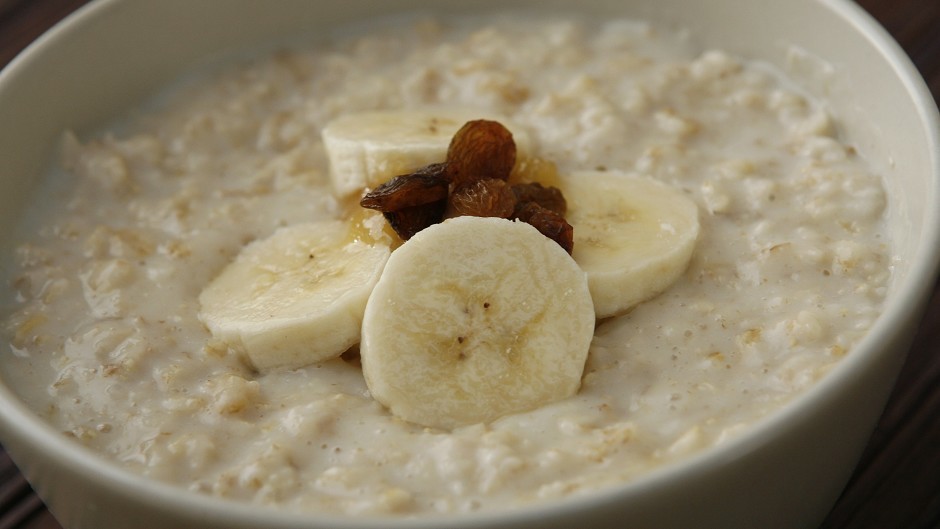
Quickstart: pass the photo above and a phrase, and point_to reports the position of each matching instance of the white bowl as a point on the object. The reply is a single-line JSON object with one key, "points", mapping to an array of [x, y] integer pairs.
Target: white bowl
{"points": [[786, 472]]}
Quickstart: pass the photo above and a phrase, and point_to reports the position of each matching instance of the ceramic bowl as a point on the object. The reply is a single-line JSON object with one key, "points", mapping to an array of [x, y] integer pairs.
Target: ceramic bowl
{"points": [[786, 472]]}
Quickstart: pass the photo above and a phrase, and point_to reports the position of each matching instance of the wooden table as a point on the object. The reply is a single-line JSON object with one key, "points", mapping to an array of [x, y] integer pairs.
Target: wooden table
{"points": [[897, 482]]}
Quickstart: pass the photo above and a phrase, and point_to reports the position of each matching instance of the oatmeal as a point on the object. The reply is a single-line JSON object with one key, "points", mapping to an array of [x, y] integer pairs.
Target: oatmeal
{"points": [[788, 273]]}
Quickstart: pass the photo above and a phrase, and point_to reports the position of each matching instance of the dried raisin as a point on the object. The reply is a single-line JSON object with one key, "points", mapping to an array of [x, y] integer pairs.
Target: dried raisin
{"points": [[547, 197], [549, 224], [481, 149], [474, 181], [490, 197], [408, 221], [426, 185]]}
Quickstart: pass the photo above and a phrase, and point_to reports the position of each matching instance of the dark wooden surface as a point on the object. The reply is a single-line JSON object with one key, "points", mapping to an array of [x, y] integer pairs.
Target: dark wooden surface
{"points": [[897, 482]]}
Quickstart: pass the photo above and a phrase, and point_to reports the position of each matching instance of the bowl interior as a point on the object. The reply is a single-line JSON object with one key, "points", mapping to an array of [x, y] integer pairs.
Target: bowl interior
{"points": [[112, 54]]}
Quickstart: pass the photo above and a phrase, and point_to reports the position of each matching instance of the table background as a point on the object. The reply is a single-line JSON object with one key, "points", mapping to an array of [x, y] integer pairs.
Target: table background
{"points": [[897, 481]]}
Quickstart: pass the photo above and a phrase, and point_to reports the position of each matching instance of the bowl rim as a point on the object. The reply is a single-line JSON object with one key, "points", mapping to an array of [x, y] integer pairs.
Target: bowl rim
{"points": [[16, 416]]}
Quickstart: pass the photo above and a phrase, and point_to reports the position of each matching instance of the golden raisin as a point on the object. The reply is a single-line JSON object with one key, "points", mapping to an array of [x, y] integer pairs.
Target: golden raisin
{"points": [[474, 181], [481, 149], [490, 197], [547, 197], [424, 186], [408, 221], [549, 224]]}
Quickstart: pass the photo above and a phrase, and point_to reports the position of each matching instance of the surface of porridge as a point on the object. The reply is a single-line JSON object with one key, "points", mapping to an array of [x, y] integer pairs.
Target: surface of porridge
{"points": [[788, 274]]}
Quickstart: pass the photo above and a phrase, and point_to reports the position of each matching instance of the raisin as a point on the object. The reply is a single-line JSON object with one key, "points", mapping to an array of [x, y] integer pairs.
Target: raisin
{"points": [[548, 197], [426, 185], [474, 181], [489, 197], [481, 149], [410, 220], [549, 224]]}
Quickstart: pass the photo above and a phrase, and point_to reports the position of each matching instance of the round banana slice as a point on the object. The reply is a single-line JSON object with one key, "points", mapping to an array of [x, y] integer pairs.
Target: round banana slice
{"points": [[366, 149], [473, 319], [296, 297], [633, 236]]}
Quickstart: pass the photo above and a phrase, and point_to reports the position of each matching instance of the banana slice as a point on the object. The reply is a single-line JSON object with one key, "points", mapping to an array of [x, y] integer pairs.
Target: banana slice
{"points": [[368, 148], [296, 297], [473, 319], [632, 235]]}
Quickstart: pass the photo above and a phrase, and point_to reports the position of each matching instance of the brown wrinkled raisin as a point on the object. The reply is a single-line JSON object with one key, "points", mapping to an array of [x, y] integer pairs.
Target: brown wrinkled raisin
{"points": [[474, 181], [489, 197], [424, 186], [481, 149], [549, 224], [408, 221], [548, 197]]}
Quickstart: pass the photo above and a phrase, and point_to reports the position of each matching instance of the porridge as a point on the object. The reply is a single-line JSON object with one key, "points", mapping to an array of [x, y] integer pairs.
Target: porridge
{"points": [[105, 343]]}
